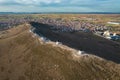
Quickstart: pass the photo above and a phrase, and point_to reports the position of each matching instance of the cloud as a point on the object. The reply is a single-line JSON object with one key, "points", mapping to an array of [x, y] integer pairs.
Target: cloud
{"points": [[29, 2], [61, 5]]}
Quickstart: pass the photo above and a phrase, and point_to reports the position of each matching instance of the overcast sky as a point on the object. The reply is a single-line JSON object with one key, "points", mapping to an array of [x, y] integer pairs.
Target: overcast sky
{"points": [[59, 5]]}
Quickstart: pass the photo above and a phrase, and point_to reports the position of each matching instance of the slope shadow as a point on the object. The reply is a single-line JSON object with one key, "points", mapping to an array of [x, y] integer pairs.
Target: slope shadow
{"points": [[87, 42]]}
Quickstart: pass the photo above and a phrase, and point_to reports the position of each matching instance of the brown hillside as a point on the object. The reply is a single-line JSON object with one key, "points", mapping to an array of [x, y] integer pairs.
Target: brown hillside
{"points": [[23, 57]]}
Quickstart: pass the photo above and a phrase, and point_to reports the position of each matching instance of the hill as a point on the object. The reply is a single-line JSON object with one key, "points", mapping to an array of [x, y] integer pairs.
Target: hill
{"points": [[24, 57]]}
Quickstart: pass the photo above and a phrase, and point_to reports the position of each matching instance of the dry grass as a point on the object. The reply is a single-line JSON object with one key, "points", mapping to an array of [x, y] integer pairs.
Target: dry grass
{"points": [[22, 57]]}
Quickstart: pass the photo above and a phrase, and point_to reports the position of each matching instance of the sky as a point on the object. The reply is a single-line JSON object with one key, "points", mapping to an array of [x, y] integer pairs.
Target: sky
{"points": [[59, 5]]}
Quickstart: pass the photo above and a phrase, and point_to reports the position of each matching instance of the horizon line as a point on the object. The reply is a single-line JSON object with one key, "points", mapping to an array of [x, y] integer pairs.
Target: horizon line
{"points": [[59, 12]]}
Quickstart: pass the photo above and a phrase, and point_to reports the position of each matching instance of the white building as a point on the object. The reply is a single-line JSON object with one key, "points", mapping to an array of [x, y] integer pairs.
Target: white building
{"points": [[115, 23], [106, 34]]}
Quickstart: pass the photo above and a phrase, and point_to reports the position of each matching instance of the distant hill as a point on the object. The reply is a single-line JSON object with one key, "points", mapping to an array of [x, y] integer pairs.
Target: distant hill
{"points": [[23, 57], [59, 12]]}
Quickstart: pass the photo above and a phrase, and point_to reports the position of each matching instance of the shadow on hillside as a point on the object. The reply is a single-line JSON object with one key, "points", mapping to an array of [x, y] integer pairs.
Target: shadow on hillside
{"points": [[87, 42]]}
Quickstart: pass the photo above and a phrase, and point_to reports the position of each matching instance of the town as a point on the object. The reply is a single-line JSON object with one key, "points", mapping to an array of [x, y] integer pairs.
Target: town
{"points": [[65, 24]]}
